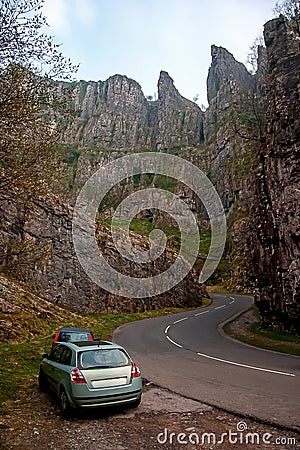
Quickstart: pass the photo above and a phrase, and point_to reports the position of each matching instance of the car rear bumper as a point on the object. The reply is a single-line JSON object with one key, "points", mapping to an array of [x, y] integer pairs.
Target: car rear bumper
{"points": [[84, 397], [107, 400]]}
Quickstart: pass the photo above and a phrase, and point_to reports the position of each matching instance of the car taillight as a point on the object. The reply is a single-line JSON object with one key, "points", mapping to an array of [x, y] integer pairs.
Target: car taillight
{"points": [[135, 371], [91, 337], [77, 377], [56, 337]]}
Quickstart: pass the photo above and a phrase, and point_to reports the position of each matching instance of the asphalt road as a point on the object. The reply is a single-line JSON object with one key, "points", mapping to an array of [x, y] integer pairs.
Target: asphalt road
{"points": [[190, 354]]}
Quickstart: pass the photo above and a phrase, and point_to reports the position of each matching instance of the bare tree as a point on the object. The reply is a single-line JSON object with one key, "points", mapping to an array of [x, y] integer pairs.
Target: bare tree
{"points": [[23, 42], [29, 60], [291, 10], [253, 55], [288, 8]]}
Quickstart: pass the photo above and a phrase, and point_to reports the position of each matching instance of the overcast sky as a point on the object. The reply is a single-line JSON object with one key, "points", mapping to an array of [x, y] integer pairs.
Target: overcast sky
{"points": [[139, 38]]}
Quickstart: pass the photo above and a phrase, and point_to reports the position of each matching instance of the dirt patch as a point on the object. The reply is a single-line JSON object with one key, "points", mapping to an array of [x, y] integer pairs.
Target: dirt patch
{"points": [[239, 326], [34, 422]]}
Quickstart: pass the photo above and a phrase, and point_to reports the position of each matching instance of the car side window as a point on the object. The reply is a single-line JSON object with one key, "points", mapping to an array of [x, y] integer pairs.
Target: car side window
{"points": [[55, 355], [66, 357]]}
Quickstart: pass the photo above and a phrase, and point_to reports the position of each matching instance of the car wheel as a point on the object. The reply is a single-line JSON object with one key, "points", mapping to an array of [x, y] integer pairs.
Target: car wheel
{"points": [[64, 404], [136, 403], [42, 382]]}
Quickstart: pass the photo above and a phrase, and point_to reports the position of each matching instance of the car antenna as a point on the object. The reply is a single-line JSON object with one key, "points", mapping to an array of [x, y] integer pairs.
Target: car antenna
{"points": [[99, 342]]}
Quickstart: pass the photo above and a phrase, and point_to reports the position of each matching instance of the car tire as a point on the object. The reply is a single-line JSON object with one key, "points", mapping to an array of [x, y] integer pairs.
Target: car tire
{"points": [[42, 382], [136, 403], [64, 403]]}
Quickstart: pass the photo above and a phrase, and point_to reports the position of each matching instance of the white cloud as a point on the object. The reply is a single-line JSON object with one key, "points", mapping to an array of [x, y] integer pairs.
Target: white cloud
{"points": [[58, 17]]}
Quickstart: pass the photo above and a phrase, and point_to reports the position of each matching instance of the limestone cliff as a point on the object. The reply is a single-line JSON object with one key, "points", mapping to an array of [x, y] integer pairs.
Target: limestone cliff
{"points": [[275, 262], [114, 114], [230, 151], [36, 247], [229, 84]]}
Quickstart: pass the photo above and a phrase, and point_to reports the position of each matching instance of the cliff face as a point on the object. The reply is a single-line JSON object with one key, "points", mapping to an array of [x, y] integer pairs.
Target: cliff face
{"points": [[230, 140], [276, 256], [36, 247], [115, 114], [228, 86], [252, 131]]}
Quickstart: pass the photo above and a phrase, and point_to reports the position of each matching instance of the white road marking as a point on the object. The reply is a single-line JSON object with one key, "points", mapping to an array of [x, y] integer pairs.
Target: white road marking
{"points": [[203, 312], [233, 363], [232, 301], [246, 366], [175, 343], [180, 320], [232, 298]]}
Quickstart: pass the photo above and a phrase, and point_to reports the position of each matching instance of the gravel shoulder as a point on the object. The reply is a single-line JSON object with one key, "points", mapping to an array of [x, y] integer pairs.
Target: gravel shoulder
{"points": [[34, 422]]}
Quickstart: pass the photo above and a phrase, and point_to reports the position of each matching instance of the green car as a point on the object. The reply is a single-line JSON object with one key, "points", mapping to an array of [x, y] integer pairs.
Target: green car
{"points": [[90, 374]]}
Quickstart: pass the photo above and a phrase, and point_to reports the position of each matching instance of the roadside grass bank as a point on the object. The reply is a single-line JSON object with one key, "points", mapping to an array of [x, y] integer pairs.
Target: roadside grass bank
{"points": [[248, 329]]}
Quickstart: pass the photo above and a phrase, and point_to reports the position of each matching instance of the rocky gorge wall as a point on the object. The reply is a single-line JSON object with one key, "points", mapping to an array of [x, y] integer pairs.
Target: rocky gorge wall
{"points": [[275, 261], [114, 114], [36, 247]]}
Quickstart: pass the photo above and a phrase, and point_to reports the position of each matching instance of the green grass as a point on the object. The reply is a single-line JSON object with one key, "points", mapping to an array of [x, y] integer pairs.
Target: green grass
{"points": [[19, 363], [271, 340], [143, 227], [267, 342], [274, 335], [139, 226], [165, 183]]}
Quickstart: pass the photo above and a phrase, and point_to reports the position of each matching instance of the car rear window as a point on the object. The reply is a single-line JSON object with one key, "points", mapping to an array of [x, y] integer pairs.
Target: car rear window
{"points": [[70, 336], [102, 358]]}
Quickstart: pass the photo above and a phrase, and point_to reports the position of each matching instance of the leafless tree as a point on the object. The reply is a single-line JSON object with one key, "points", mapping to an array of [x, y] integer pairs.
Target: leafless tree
{"points": [[29, 61]]}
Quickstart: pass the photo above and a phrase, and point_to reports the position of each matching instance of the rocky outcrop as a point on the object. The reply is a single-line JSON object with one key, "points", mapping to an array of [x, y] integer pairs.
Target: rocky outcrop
{"points": [[276, 248], [109, 114], [228, 87], [22, 312], [114, 114], [180, 121], [37, 248], [230, 150]]}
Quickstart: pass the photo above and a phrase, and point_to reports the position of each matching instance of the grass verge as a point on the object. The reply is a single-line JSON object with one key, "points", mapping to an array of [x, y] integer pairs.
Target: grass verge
{"points": [[267, 340], [248, 329]]}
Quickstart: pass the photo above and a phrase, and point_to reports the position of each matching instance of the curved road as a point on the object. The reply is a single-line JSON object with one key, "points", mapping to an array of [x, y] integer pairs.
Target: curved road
{"points": [[190, 354]]}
